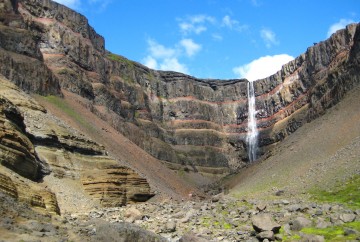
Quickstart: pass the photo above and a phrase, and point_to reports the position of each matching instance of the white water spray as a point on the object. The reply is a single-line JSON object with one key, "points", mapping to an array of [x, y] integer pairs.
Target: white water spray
{"points": [[252, 132]]}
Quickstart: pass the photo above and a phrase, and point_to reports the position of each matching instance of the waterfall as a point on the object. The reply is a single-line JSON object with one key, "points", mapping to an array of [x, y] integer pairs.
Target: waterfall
{"points": [[252, 132]]}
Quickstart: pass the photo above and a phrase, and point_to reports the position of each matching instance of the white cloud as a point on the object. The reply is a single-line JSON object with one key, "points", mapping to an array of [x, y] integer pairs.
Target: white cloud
{"points": [[269, 37], [188, 28], [227, 21], [150, 62], [201, 18], [262, 67], [195, 24], [159, 51], [217, 37], [191, 48], [339, 25], [172, 64], [232, 24], [167, 58], [69, 3]]}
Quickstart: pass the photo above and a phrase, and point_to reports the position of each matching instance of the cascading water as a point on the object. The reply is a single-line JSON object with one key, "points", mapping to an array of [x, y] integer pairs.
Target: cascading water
{"points": [[252, 132]]}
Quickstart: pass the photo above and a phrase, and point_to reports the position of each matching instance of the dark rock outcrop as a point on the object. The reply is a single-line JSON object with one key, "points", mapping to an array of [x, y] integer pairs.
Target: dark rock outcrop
{"points": [[17, 151], [124, 232]]}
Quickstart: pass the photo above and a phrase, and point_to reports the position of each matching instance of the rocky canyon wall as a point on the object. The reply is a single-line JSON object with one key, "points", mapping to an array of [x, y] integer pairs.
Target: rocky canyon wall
{"points": [[189, 123], [38, 152]]}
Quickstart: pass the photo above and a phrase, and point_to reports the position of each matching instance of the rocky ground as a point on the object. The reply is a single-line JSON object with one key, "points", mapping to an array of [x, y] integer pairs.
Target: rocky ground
{"points": [[221, 218]]}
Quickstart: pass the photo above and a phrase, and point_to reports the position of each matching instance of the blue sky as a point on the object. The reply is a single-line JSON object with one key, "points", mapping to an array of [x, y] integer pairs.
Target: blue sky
{"points": [[215, 38]]}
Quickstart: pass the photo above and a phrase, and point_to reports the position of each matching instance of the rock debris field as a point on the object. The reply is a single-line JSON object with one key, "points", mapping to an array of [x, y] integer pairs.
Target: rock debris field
{"points": [[221, 218]]}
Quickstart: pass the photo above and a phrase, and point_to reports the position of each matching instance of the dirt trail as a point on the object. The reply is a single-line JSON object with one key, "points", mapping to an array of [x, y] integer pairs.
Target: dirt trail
{"points": [[319, 154], [165, 182]]}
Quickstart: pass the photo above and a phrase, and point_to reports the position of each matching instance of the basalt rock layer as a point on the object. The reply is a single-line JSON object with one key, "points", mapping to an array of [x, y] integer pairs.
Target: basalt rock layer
{"points": [[191, 123], [35, 144]]}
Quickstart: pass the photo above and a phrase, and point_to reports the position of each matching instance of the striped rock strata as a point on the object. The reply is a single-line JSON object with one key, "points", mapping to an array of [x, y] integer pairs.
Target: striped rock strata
{"points": [[34, 144], [191, 123]]}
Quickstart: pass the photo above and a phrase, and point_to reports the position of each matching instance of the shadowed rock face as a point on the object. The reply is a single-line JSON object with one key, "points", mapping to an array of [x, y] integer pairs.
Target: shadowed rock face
{"points": [[17, 151], [177, 118]]}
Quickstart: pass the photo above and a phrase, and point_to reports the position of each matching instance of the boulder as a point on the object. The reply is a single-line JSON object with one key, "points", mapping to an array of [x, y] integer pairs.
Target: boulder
{"points": [[132, 214], [264, 222], [170, 226], [347, 217], [265, 235], [300, 222], [123, 232], [191, 237], [261, 207]]}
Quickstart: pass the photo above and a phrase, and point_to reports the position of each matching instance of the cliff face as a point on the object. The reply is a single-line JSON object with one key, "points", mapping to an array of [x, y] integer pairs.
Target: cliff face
{"points": [[36, 144], [184, 121], [308, 85]]}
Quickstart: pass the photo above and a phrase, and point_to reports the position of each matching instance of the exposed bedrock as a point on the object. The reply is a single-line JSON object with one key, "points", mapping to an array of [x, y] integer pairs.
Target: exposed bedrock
{"points": [[308, 85], [35, 144], [182, 120], [17, 151]]}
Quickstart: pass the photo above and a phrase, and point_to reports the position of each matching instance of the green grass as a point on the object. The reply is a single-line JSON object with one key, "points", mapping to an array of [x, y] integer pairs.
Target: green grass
{"points": [[208, 222], [63, 106], [335, 233], [66, 71], [128, 63], [119, 58], [227, 226], [294, 237], [347, 193]]}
